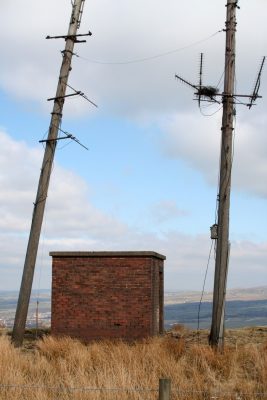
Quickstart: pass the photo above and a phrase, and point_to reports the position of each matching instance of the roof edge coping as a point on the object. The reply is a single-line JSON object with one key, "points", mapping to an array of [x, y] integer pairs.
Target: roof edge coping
{"points": [[107, 254]]}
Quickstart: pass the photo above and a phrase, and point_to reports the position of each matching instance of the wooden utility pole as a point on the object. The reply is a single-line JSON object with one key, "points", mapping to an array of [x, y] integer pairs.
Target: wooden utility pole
{"points": [[39, 205], [220, 230], [222, 249]]}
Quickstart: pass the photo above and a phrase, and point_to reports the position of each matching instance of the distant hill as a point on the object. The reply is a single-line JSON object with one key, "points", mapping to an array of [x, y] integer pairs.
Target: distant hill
{"points": [[238, 314], [249, 294], [244, 307]]}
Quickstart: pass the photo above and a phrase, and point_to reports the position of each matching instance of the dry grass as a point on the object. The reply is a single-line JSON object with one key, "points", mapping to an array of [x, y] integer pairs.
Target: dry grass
{"points": [[195, 369]]}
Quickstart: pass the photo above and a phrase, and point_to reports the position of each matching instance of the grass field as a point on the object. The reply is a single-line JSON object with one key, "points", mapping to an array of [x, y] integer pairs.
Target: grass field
{"points": [[58, 368]]}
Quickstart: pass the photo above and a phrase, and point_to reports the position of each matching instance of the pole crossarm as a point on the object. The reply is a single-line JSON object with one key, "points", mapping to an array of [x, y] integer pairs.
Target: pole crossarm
{"points": [[71, 37], [68, 136], [66, 95], [211, 93], [249, 96]]}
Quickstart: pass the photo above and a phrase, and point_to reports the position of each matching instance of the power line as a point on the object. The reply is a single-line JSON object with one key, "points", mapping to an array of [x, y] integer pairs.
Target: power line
{"points": [[140, 60], [75, 389], [210, 115]]}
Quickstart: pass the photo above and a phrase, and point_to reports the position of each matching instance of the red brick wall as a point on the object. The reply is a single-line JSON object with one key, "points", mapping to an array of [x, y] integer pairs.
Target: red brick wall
{"points": [[99, 295]]}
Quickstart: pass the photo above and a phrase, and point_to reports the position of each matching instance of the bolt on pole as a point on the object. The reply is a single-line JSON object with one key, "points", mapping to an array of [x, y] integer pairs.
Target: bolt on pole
{"points": [[222, 248], [39, 205]]}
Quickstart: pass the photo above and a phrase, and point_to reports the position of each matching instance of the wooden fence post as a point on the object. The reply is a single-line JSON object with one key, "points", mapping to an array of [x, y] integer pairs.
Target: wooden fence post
{"points": [[164, 389]]}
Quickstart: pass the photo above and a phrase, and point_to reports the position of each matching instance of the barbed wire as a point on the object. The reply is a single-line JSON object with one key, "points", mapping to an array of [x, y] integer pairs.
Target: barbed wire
{"points": [[219, 393], [73, 389], [175, 390]]}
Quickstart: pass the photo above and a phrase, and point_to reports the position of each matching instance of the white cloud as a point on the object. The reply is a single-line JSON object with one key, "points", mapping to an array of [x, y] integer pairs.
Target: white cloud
{"points": [[68, 200], [250, 162], [196, 140], [124, 31], [247, 264], [146, 91], [166, 210], [73, 223], [19, 171]]}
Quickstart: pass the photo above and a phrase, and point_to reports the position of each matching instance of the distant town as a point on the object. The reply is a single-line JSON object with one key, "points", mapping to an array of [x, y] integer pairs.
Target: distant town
{"points": [[245, 307]]}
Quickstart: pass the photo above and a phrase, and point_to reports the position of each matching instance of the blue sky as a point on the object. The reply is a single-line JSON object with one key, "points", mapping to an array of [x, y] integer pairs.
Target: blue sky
{"points": [[149, 179]]}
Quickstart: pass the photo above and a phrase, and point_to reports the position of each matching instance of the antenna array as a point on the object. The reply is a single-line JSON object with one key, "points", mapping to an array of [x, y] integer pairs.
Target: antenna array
{"points": [[212, 94]]}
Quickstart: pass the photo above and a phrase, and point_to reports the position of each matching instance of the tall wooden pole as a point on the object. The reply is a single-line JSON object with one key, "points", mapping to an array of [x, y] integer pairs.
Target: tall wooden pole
{"points": [[39, 205], [221, 264]]}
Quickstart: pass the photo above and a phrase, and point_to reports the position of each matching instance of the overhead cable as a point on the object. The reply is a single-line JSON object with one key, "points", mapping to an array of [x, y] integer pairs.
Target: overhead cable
{"points": [[139, 60]]}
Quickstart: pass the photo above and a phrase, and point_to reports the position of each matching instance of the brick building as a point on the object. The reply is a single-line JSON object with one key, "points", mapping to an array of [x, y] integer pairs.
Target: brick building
{"points": [[98, 295]]}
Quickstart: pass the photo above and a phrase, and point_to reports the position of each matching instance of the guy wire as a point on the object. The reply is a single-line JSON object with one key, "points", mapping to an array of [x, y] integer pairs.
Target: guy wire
{"points": [[203, 288]]}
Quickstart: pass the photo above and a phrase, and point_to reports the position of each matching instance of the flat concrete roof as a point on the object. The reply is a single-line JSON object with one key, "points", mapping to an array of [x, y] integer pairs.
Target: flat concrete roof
{"points": [[114, 254]]}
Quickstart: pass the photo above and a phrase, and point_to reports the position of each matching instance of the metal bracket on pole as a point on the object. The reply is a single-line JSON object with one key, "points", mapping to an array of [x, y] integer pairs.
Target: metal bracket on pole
{"points": [[77, 93], [210, 93], [68, 51], [68, 136], [67, 95], [72, 37]]}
